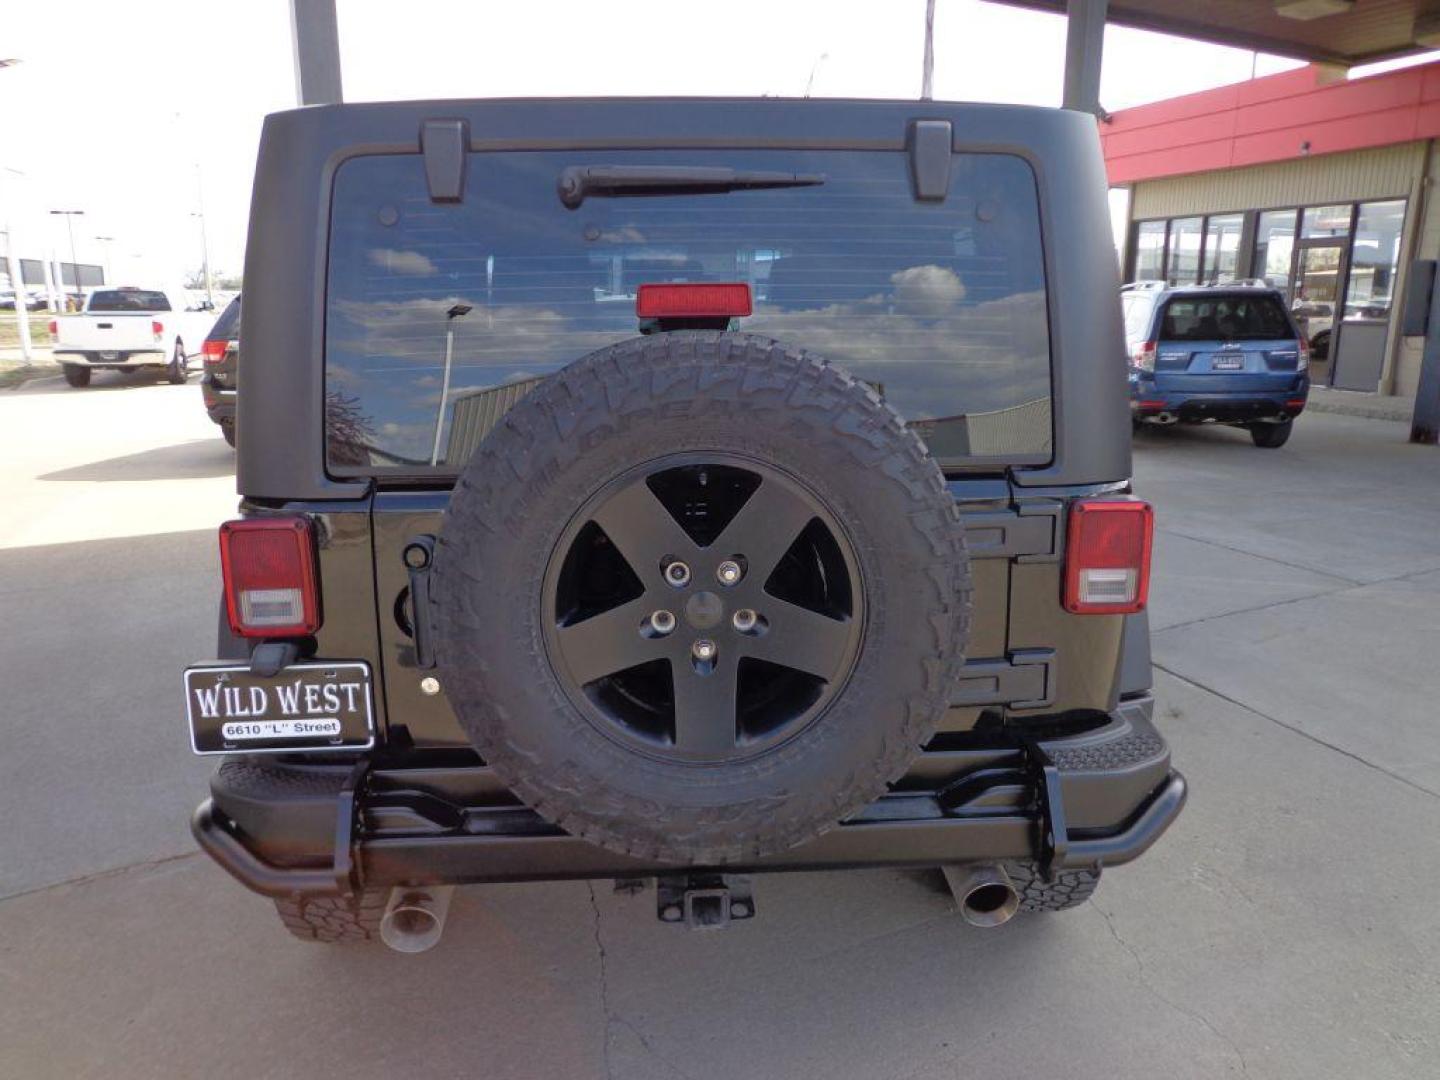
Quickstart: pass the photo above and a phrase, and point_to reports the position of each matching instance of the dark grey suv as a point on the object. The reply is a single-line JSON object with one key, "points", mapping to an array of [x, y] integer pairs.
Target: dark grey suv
{"points": [[674, 491]]}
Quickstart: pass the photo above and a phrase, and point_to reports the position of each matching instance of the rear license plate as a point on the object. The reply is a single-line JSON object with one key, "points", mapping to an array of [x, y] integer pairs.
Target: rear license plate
{"points": [[316, 706], [109, 354], [1228, 363]]}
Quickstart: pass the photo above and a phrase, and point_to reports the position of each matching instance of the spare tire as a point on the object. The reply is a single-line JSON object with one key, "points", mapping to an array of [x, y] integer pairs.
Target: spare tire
{"points": [[699, 597]]}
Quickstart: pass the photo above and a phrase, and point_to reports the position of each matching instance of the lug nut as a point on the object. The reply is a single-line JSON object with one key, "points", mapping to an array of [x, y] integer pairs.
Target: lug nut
{"points": [[662, 622], [744, 620], [729, 572], [703, 650], [677, 574]]}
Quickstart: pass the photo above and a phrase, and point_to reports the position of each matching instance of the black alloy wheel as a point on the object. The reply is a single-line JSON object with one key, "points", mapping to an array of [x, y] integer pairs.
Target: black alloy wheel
{"points": [[705, 608]]}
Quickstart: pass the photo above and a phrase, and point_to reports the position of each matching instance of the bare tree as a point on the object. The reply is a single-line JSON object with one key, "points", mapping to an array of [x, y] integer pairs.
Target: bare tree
{"points": [[348, 430]]}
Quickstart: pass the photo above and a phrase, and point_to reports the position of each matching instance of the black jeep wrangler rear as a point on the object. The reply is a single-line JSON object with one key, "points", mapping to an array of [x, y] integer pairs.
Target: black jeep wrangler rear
{"points": [[679, 490]]}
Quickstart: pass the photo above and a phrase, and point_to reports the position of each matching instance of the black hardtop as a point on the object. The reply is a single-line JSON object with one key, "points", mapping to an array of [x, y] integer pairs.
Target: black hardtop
{"points": [[282, 453]]}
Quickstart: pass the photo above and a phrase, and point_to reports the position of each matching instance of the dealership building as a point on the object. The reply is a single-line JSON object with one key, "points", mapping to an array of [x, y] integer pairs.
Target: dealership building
{"points": [[1322, 186]]}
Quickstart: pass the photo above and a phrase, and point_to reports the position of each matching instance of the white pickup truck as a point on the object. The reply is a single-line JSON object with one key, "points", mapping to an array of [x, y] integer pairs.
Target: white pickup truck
{"points": [[126, 328]]}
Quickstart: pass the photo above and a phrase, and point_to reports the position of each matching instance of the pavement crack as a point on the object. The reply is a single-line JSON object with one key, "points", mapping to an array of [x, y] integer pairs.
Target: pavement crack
{"points": [[1298, 731], [605, 1014], [1337, 591], [613, 1019], [1259, 607], [1143, 974], [1267, 558], [100, 875]]}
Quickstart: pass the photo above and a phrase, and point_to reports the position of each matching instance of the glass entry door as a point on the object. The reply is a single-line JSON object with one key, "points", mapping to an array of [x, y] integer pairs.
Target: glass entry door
{"points": [[1315, 288]]}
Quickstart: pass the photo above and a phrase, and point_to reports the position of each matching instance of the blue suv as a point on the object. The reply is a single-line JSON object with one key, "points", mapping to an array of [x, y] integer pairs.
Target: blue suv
{"points": [[1215, 354]]}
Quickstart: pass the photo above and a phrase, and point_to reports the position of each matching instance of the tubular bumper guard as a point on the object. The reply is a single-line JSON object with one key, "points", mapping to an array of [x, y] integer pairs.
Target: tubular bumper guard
{"points": [[1097, 799]]}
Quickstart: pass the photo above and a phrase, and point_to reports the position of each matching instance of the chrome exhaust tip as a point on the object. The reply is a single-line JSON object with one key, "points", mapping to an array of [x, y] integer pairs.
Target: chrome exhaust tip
{"points": [[984, 894], [414, 917]]}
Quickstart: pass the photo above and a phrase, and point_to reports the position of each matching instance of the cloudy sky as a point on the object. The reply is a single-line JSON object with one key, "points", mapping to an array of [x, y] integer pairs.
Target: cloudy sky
{"points": [[126, 111]]}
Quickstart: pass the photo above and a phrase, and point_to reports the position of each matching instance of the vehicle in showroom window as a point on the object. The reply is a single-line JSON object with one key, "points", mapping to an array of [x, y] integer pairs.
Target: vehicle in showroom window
{"points": [[684, 490]]}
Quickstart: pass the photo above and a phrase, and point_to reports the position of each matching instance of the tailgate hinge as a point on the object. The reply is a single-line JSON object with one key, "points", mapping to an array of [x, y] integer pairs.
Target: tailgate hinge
{"points": [[1028, 533], [1024, 679]]}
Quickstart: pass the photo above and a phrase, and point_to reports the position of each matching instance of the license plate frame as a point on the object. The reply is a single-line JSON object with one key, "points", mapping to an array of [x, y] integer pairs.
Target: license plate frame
{"points": [[226, 721], [1227, 363]]}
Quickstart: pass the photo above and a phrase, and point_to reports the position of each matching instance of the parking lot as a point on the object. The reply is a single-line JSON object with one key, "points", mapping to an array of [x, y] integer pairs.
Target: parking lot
{"points": [[1286, 927]]}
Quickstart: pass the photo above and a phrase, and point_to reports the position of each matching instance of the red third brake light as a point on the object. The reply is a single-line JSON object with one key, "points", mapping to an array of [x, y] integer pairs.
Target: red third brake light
{"points": [[1107, 556], [271, 585], [697, 300]]}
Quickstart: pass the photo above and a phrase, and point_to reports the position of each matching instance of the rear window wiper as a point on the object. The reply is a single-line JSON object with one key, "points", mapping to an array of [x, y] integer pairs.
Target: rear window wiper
{"points": [[579, 182]]}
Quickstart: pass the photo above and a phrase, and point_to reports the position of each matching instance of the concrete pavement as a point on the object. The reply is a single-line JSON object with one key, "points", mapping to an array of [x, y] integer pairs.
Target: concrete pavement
{"points": [[1286, 927]]}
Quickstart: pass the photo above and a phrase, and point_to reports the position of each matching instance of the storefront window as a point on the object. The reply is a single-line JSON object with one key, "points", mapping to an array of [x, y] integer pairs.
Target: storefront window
{"points": [[1274, 246], [1150, 251], [1375, 255], [1325, 221], [1184, 260], [1222, 246]]}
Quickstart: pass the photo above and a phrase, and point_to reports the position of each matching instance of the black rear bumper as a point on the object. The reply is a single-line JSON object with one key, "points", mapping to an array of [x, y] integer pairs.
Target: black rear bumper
{"points": [[219, 400], [1097, 799]]}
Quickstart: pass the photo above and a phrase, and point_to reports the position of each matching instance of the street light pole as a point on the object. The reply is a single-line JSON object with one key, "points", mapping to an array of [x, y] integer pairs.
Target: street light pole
{"points": [[70, 216], [204, 241], [107, 241], [927, 67], [810, 82], [204, 257], [456, 312]]}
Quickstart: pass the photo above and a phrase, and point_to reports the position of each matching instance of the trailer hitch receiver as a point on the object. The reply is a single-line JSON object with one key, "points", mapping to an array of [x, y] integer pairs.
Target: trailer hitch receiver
{"points": [[703, 901]]}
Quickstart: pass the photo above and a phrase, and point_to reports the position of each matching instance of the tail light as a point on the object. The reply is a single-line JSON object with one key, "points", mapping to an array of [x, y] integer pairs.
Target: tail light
{"points": [[157, 328], [699, 300], [214, 350], [1107, 556], [271, 584], [1304, 362], [1143, 358], [54, 328]]}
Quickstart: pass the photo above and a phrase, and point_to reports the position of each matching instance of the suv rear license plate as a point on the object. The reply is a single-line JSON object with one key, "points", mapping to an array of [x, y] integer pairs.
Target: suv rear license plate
{"points": [[1228, 363], [305, 707]]}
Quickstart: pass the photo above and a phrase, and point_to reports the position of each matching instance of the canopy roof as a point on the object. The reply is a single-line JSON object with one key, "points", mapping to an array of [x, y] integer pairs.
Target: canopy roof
{"points": [[1331, 31]]}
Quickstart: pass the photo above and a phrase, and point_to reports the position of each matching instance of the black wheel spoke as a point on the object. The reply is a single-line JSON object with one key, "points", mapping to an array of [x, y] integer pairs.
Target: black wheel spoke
{"points": [[606, 643], [705, 709], [638, 524], [765, 527], [803, 639], [705, 542]]}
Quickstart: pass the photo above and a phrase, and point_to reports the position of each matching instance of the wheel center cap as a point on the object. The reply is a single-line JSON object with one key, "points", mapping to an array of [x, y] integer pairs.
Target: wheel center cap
{"points": [[704, 610]]}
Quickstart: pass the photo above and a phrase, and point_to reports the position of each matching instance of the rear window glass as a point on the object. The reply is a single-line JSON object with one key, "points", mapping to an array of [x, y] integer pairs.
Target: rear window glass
{"points": [[1137, 314], [128, 300], [939, 306], [1225, 318], [228, 325]]}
